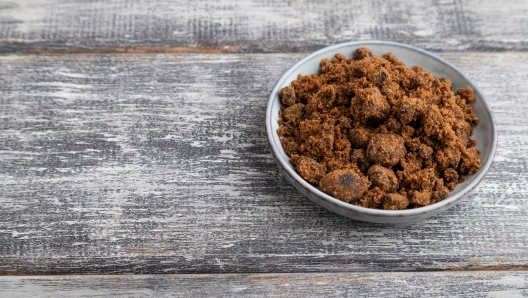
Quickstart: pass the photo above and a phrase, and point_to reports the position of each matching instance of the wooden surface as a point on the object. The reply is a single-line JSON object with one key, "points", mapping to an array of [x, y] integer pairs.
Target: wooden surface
{"points": [[46, 26], [146, 163], [411, 284], [159, 164]]}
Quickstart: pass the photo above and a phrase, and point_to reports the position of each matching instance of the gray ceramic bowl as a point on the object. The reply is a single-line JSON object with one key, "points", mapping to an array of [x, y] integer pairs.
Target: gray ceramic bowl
{"points": [[485, 133]]}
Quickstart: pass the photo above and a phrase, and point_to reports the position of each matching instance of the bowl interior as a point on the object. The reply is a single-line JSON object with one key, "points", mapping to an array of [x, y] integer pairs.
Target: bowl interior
{"points": [[484, 132]]}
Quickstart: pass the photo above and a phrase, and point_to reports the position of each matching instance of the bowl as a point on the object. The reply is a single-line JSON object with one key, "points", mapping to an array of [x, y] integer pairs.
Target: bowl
{"points": [[485, 132]]}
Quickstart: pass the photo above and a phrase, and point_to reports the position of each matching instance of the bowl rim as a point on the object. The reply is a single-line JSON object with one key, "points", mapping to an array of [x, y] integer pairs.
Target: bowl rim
{"points": [[288, 170]]}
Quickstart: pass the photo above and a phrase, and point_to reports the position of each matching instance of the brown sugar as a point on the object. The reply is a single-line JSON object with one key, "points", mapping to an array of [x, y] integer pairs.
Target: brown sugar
{"points": [[346, 185], [383, 178], [372, 132], [386, 149]]}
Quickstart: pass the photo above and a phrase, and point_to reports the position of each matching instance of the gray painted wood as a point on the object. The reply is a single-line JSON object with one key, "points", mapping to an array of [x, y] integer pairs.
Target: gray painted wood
{"points": [[159, 164], [257, 25], [412, 284]]}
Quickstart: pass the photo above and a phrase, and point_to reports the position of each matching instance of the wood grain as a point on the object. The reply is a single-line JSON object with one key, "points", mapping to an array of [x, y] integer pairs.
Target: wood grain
{"points": [[414, 284], [159, 164], [117, 26]]}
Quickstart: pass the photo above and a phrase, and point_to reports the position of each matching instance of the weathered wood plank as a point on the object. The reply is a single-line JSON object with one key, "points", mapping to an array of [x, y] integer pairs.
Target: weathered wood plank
{"points": [[396, 284], [159, 164], [257, 25]]}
